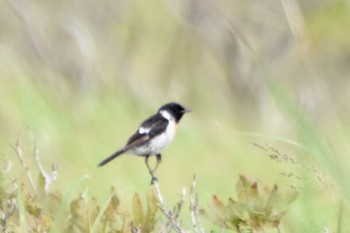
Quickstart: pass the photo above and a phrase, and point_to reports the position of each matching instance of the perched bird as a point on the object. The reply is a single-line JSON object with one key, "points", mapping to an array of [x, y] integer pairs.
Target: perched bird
{"points": [[153, 135]]}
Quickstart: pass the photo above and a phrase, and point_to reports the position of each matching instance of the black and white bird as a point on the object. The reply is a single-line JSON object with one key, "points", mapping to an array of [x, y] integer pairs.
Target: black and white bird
{"points": [[153, 135]]}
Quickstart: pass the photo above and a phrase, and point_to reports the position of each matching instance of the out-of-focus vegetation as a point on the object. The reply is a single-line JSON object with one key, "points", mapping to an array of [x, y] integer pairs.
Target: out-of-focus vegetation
{"points": [[77, 77], [255, 210], [40, 210]]}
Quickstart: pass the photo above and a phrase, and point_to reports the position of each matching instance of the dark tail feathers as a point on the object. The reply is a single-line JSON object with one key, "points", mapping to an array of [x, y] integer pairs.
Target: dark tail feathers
{"points": [[107, 160]]}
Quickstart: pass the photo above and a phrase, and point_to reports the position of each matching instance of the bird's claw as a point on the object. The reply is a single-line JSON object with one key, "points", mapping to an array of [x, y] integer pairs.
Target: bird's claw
{"points": [[154, 179]]}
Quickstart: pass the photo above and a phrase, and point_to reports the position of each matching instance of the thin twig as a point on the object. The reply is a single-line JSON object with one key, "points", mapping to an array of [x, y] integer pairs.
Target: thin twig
{"points": [[180, 203], [177, 208], [196, 223], [170, 215], [19, 154], [49, 178], [193, 205]]}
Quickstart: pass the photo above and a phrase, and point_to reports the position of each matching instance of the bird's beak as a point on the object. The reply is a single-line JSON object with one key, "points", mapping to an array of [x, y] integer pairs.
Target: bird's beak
{"points": [[187, 110]]}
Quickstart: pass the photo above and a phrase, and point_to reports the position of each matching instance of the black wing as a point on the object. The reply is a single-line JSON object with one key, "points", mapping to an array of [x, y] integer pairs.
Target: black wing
{"points": [[156, 125]]}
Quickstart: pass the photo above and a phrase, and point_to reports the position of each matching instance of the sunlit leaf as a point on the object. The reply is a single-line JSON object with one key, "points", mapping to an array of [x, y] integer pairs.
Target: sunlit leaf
{"points": [[255, 209], [274, 220], [77, 221], [32, 207], [218, 207], [271, 200], [137, 210], [219, 211], [245, 189], [152, 208], [41, 185], [113, 204], [235, 212], [51, 203], [279, 201], [21, 211]]}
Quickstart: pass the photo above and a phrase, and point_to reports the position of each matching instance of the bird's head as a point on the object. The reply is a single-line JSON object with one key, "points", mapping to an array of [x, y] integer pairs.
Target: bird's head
{"points": [[173, 110]]}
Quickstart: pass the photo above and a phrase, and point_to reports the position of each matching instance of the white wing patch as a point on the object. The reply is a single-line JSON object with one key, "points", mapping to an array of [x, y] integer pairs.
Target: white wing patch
{"points": [[143, 130]]}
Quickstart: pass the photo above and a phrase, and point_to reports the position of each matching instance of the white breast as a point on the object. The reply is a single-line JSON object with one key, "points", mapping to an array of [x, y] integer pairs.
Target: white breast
{"points": [[164, 139]]}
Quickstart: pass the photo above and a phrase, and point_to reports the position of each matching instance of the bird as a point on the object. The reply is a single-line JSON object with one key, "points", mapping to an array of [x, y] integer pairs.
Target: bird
{"points": [[153, 135]]}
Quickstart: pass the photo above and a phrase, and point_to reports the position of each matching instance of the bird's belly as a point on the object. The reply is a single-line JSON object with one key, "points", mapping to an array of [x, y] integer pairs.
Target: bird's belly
{"points": [[156, 144]]}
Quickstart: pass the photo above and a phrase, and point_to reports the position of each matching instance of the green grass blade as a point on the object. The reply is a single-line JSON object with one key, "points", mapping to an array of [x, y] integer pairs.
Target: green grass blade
{"points": [[100, 214], [21, 210], [65, 203], [311, 138], [277, 138]]}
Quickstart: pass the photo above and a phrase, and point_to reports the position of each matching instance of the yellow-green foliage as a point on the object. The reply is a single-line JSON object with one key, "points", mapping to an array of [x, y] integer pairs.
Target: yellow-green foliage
{"points": [[255, 208], [36, 210], [39, 210], [28, 205], [79, 77]]}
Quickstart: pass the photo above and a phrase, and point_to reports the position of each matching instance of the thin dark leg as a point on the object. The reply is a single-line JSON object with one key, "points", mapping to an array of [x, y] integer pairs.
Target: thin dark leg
{"points": [[159, 159], [154, 178]]}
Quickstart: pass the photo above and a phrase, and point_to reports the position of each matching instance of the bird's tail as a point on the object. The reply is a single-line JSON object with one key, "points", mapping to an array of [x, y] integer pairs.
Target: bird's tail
{"points": [[116, 154]]}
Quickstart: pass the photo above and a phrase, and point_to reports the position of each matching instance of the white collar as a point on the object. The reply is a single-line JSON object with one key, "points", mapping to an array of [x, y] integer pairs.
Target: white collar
{"points": [[167, 115]]}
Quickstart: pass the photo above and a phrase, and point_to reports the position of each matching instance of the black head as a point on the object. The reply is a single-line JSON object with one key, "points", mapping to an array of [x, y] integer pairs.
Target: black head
{"points": [[175, 109]]}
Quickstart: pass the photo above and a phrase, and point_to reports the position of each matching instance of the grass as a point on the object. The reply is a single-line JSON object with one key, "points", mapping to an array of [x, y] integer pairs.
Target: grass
{"points": [[21, 211], [100, 214], [212, 158], [77, 138], [79, 90], [218, 152], [67, 200]]}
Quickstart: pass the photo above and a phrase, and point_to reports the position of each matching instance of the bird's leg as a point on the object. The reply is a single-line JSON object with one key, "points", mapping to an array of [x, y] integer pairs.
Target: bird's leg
{"points": [[154, 178], [159, 159]]}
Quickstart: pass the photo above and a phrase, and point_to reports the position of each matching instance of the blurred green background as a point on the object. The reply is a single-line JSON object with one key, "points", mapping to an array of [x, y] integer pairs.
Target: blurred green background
{"points": [[77, 77]]}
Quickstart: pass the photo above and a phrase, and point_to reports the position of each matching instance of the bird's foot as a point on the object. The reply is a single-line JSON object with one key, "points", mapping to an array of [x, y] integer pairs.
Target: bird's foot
{"points": [[154, 179]]}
